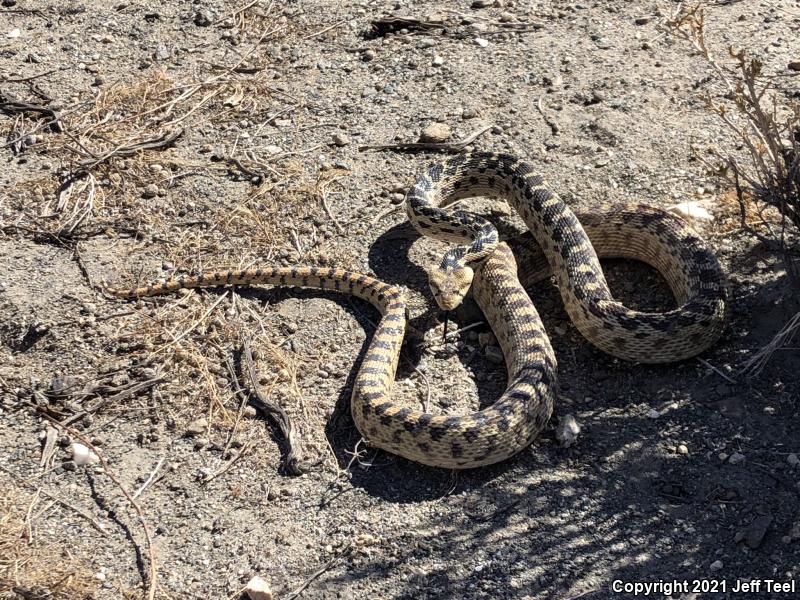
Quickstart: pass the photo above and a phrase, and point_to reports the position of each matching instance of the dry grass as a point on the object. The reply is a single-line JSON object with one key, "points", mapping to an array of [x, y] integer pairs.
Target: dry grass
{"points": [[30, 566], [762, 118]]}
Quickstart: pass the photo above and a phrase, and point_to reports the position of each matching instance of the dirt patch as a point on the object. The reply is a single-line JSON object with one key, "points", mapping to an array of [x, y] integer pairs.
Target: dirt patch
{"points": [[198, 136]]}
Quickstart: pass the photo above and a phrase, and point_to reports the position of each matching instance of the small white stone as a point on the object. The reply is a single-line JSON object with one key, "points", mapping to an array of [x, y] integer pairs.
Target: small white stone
{"points": [[272, 149], [258, 589], [653, 414], [82, 455], [438, 61], [482, 42], [691, 210], [716, 565], [683, 449], [793, 460], [567, 431], [14, 33], [736, 458]]}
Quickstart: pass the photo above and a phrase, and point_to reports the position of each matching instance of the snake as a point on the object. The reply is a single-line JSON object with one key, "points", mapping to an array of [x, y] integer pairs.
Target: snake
{"points": [[485, 267], [456, 442], [570, 246]]}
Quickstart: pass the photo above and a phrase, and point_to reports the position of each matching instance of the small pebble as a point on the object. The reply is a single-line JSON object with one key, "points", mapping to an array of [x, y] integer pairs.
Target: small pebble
{"points": [[683, 449], [150, 191], [203, 18], [340, 139], [368, 55], [716, 565], [793, 460], [794, 65], [258, 589], [197, 427], [482, 42], [438, 61], [435, 133], [494, 354], [653, 414], [14, 33], [567, 431], [736, 458]]}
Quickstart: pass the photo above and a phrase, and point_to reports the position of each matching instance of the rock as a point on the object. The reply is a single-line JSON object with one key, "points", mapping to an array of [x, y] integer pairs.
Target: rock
{"points": [[793, 460], [258, 589], [691, 210], [469, 113], [794, 65], [397, 198], [653, 414], [368, 91], [683, 449], [341, 139], [9, 3], [426, 43], [506, 17], [368, 55], [494, 354], [203, 18], [438, 61], [150, 191], [716, 565], [736, 458], [14, 33], [483, 3], [755, 532], [272, 149], [567, 431], [82, 455], [435, 133], [641, 20], [249, 411], [487, 338], [482, 42], [197, 427]]}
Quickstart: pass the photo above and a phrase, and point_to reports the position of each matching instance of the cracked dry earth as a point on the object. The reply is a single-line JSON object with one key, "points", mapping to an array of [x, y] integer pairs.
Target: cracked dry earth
{"points": [[683, 471]]}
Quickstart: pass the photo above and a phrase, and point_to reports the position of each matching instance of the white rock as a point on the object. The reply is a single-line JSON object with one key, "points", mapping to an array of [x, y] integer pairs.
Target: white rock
{"points": [[438, 61], [272, 149], [793, 460], [82, 455], [736, 458], [258, 589], [653, 414], [567, 431], [482, 42], [716, 565], [691, 210], [14, 33]]}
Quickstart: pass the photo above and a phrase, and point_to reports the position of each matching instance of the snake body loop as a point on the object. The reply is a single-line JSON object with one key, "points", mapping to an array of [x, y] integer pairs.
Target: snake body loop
{"points": [[645, 233], [465, 441]]}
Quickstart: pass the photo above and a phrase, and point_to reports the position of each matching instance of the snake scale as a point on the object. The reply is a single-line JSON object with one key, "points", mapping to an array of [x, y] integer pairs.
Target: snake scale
{"points": [[487, 266]]}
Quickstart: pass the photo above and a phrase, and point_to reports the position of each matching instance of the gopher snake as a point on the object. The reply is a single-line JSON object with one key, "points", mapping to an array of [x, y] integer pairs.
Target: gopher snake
{"points": [[516, 418], [571, 248]]}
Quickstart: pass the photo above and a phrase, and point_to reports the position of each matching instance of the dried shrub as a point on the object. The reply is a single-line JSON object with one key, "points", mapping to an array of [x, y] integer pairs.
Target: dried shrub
{"points": [[766, 124]]}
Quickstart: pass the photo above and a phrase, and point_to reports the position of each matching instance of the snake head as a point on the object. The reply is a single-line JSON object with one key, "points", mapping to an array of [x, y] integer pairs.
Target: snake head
{"points": [[450, 286]]}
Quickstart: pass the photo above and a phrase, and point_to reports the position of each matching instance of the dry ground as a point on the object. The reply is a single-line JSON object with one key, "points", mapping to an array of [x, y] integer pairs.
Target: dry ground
{"points": [[208, 134]]}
